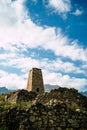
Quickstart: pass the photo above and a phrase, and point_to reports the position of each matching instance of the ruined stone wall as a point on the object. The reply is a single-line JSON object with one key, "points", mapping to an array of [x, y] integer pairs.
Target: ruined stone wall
{"points": [[57, 117], [35, 81], [61, 109], [12, 97], [40, 117]]}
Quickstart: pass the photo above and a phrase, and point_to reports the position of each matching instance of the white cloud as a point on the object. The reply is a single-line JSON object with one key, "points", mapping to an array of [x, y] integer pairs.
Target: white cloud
{"points": [[26, 34], [60, 6], [14, 81], [63, 66], [25, 63], [18, 33], [11, 15], [64, 80], [51, 72], [78, 12], [69, 49], [6, 56], [11, 80]]}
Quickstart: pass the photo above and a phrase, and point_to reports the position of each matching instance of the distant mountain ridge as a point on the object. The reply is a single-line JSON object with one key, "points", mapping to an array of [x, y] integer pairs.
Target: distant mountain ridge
{"points": [[48, 87], [4, 90], [84, 93]]}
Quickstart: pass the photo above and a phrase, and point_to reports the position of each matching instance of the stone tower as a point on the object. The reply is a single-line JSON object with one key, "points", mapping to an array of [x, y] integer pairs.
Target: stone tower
{"points": [[35, 81]]}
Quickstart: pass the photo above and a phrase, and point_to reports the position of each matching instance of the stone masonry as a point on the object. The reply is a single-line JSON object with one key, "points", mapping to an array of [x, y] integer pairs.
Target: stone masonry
{"points": [[35, 81]]}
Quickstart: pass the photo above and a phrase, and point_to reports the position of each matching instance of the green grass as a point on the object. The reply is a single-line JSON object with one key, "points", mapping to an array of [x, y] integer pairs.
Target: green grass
{"points": [[3, 128], [22, 105], [2, 97]]}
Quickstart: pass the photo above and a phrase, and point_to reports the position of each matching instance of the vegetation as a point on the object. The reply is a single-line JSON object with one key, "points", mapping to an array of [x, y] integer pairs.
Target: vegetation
{"points": [[2, 97], [61, 108]]}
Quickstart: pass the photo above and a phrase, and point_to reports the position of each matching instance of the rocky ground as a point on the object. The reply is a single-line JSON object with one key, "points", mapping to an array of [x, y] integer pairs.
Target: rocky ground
{"points": [[60, 109]]}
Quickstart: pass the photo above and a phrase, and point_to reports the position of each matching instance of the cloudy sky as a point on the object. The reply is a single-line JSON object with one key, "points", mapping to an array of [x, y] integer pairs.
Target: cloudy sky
{"points": [[48, 34]]}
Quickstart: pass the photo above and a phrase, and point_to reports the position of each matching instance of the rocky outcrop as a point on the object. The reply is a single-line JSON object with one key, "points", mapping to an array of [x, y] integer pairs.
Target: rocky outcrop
{"points": [[61, 109], [70, 97], [20, 96], [40, 117]]}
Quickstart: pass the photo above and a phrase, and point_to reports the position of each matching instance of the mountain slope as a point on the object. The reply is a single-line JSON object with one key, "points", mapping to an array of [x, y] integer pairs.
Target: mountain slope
{"points": [[3, 90]]}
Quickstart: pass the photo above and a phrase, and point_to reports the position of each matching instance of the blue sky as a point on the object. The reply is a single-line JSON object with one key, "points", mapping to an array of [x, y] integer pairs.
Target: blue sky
{"points": [[48, 34]]}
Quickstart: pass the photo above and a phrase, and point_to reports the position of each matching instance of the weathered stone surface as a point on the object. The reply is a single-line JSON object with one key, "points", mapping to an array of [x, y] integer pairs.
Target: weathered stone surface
{"points": [[48, 113], [20, 96], [35, 81], [32, 118]]}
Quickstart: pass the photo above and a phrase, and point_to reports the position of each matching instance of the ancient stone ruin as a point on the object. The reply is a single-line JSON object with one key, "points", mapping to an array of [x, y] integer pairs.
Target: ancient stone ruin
{"points": [[35, 81], [60, 109]]}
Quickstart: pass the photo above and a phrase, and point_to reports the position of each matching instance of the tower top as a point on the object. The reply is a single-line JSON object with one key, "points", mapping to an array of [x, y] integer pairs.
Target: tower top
{"points": [[33, 69], [35, 81]]}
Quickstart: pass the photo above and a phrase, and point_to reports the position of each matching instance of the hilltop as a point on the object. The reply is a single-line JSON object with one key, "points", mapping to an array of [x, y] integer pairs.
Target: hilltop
{"points": [[60, 109]]}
